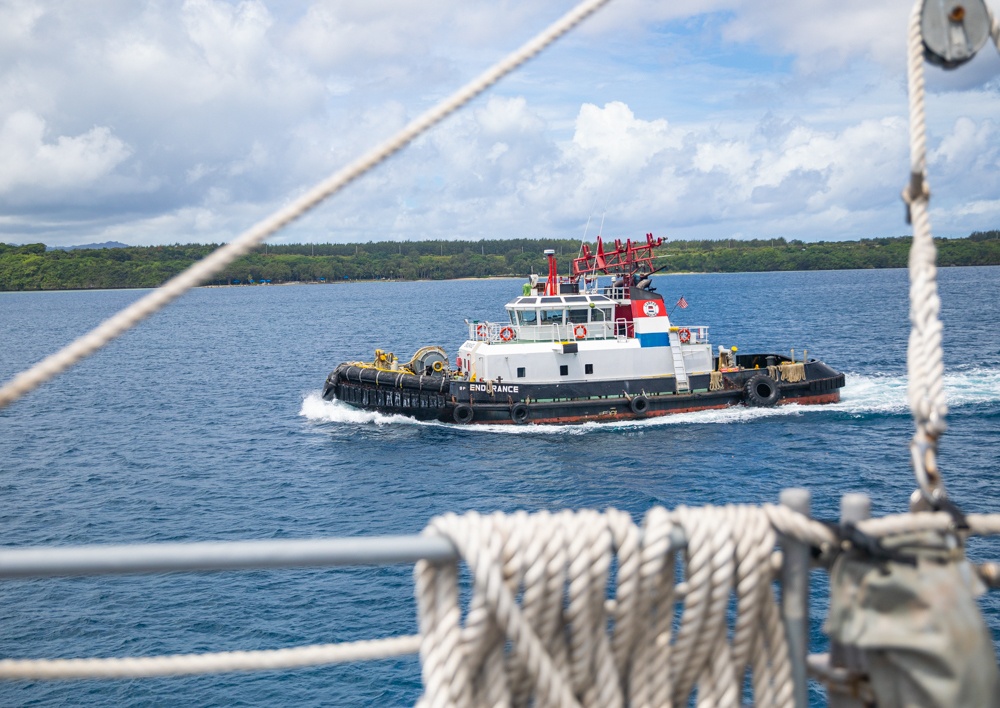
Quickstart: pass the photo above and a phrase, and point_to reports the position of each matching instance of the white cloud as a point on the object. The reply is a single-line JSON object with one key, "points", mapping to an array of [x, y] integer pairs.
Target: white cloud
{"points": [[969, 146], [613, 140], [701, 117], [67, 162], [17, 22], [825, 31], [230, 37]]}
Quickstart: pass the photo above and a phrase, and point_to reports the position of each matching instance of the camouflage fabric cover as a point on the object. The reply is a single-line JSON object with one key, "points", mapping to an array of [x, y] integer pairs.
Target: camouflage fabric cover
{"points": [[917, 628]]}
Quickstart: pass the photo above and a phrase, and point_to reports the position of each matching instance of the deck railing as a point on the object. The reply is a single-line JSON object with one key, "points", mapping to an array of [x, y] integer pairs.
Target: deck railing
{"points": [[507, 333], [698, 333]]}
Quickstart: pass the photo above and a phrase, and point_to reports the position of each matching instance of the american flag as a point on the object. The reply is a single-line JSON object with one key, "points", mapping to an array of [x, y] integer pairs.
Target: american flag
{"points": [[682, 303]]}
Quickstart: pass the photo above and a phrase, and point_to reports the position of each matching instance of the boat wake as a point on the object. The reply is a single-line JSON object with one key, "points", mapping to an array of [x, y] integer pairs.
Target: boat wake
{"points": [[863, 395]]}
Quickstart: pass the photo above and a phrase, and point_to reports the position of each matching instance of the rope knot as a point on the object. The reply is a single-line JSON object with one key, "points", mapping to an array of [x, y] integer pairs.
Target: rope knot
{"points": [[917, 189]]}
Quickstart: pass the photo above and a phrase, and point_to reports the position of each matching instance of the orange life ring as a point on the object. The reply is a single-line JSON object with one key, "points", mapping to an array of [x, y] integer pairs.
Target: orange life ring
{"points": [[580, 331], [507, 334], [684, 335], [482, 331]]}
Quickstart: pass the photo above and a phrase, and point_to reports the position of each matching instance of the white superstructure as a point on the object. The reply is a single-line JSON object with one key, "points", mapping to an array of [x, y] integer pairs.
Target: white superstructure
{"points": [[618, 333]]}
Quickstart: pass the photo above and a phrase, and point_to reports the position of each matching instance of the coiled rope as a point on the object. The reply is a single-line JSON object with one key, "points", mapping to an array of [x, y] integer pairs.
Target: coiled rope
{"points": [[203, 270], [541, 583], [566, 644]]}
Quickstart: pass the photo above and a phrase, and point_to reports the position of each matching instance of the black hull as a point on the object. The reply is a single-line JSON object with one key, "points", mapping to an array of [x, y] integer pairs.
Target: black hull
{"points": [[437, 397]]}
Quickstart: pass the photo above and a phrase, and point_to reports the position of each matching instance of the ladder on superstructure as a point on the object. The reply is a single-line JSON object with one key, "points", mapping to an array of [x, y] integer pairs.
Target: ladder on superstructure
{"points": [[680, 372]]}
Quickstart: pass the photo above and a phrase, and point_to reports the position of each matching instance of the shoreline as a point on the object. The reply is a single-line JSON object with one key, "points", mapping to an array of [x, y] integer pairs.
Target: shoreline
{"points": [[447, 280]]}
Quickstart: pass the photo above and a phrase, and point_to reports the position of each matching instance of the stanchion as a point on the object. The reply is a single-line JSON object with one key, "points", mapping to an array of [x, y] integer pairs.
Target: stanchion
{"points": [[795, 595]]}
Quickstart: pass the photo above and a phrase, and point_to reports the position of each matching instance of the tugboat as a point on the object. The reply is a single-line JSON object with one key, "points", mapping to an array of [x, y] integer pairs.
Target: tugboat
{"points": [[576, 349]]}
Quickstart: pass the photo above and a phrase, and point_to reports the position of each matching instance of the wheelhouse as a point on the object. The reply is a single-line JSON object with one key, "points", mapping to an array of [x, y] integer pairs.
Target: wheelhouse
{"points": [[561, 317]]}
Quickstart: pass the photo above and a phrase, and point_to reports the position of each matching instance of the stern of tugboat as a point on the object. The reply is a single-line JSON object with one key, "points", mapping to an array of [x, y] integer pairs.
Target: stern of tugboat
{"points": [[771, 379]]}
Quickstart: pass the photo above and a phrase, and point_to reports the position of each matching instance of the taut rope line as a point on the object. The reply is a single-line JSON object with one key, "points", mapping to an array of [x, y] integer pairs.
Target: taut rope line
{"points": [[55, 364], [924, 354], [221, 662]]}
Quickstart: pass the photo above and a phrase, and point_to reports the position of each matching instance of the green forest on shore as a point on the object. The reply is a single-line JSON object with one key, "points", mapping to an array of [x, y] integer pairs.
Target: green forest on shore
{"points": [[34, 267]]}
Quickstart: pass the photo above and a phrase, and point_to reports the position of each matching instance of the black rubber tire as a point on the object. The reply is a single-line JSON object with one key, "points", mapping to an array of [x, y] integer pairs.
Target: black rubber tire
{"points": [[639, 404], [519, 413], [463, 414], [761, 391]]}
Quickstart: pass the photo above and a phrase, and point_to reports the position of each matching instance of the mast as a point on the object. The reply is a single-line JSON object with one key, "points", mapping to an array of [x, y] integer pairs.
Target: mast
{"points": [[552, 284]]}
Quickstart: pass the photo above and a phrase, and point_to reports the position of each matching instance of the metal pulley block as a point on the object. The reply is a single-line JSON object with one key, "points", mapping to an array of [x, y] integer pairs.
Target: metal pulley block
{"points": [[953, 30]]}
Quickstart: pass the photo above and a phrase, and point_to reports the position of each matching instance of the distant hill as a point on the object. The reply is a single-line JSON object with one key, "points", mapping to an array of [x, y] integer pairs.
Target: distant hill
{"points": [[106, 244]]}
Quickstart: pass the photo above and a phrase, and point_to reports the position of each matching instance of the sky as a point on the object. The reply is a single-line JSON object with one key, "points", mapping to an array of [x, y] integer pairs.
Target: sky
{"points": [[186, 122]]}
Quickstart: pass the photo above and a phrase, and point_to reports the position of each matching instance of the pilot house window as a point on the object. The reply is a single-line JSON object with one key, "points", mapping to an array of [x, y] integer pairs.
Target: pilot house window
{"points": [[576, 316], [551, 316]]}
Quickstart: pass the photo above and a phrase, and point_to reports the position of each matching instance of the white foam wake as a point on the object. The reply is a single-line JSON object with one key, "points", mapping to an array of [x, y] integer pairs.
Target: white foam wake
{"points": [[873, 394], [317, 410], [887, 394]]}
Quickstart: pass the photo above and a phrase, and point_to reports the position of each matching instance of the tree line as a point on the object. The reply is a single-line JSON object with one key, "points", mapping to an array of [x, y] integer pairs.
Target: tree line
{"points": [[34, 267]]}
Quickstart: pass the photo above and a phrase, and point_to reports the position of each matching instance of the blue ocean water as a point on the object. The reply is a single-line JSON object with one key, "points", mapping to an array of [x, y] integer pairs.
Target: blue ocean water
{"points": [[206, 423]]}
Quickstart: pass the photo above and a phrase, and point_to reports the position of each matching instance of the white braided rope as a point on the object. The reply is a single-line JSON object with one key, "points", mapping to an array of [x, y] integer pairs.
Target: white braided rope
{"points": [[654, 612], [924, 354], [925, 364], [203, 270], [221, 662], [979, 524], [572, 646]]}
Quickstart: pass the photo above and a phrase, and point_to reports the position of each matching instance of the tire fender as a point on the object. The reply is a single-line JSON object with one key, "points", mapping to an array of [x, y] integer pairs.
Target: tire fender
{"points": [[520, 413], [761, 391], [639, 404]]}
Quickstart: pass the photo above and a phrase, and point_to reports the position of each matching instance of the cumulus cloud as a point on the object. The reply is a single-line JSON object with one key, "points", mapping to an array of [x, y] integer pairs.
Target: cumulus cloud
{"points": [[30, 160], [178, 122]]}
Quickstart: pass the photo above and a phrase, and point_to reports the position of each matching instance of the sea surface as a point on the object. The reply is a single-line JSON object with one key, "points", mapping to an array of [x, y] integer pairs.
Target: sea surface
{"points": [[205, 423]]}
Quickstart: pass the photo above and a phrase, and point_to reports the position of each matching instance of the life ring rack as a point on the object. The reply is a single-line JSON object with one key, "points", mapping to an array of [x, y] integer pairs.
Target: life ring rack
{"points": [[684, 334], [507, 334], [580, 331]]}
